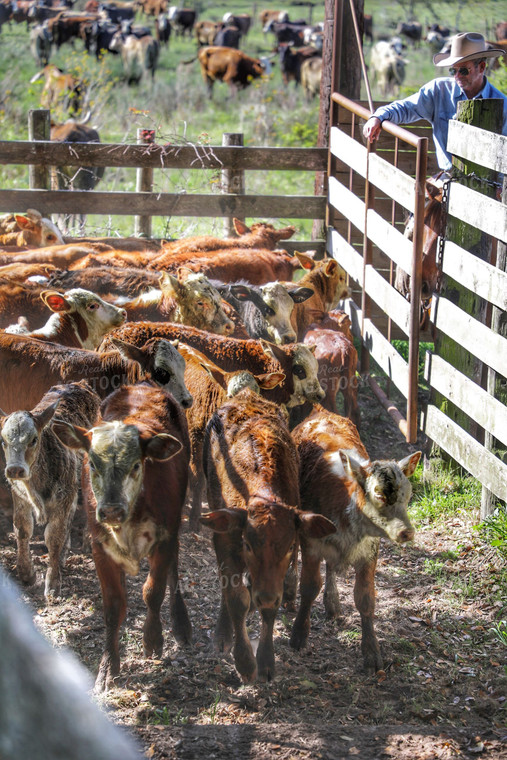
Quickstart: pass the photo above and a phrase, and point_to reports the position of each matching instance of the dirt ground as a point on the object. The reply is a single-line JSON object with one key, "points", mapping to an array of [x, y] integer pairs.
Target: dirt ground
{"points": [[442, 694]]}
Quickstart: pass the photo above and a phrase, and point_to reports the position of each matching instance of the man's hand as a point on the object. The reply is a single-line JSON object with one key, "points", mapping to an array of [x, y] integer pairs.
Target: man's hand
{"points": [[372, 129]]}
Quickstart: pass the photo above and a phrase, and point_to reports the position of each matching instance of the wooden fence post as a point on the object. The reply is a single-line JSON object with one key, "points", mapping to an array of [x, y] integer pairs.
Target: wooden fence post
{"points": [[144, 183], [39, 127], [232, 180], [486, 114], [495, 386]]}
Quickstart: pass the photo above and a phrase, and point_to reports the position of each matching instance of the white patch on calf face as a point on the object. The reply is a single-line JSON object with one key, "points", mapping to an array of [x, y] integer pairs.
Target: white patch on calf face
{"points": [[169, 372], [19, 439], [304, 373], [99, 315], [205, 301], [277, 298], [336, 464], [50, 234], [388, 492]]}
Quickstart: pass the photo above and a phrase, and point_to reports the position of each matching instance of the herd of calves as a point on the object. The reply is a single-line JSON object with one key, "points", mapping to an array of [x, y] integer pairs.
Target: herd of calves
{"points": [[172, 373]]}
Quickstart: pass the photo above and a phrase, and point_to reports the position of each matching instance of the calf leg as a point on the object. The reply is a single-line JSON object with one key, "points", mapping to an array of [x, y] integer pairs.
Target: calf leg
{"points": [[23, 530], [364, 598], [310, 585], [331, 596], [236, 597], [164, 568], [56, 537], [266, 652], [114, 599]]}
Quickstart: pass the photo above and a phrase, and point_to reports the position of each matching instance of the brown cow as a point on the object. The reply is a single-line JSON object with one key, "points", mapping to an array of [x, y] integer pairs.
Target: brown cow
{"points": [[365, 500], [259, 235], [47, 364], [229, 65], [80, 319], [251, 466], [44, 475], [210, 387], [59, 88], [205, 32], [108, 282], [258, 357], [311, 76], [134, 485], [188, 299], [29, 229]]}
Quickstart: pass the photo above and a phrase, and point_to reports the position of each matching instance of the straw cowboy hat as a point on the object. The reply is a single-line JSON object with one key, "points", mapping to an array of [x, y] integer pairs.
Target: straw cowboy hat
{"points": [[466, 47]]}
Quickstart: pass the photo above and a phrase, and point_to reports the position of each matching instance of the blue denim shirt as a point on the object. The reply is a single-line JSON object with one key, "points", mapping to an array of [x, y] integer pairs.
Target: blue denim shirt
{"points": [[437, 102]]}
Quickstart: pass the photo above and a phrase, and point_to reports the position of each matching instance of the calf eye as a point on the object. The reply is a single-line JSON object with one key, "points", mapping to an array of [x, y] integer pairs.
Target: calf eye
{"points": [[246, 546], [299, 371], [92, 306], [135, 469], [32, 442], [161, 376]]}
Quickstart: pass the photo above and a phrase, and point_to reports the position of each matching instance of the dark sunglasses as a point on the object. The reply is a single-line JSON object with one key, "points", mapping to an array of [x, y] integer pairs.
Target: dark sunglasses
{"points": [[463, 71]]}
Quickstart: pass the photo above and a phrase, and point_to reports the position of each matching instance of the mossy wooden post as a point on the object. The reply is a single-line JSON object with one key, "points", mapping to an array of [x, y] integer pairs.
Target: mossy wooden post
{"points": [[233, 180], [486, 114], [39, 127], [144, 183], [495, 383]]}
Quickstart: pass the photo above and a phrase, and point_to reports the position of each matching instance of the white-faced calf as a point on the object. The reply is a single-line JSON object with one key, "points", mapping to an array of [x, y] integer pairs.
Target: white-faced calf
{"points": [[365, 500]]}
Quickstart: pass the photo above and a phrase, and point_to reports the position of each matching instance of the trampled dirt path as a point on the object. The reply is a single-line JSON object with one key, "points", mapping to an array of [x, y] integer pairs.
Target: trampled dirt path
{"points": [[442, 696]]}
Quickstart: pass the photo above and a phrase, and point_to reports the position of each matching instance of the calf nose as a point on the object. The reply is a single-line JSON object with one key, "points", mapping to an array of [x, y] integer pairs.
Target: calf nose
{"points": [[288, 338], [229, 327], [187, 402], [16, 471], [123, 314], [111, 514], [266, 600], [405, 535]]}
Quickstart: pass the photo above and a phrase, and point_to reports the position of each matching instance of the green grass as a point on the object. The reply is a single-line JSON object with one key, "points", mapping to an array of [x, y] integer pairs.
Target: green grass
{"points": [[443, 493]]}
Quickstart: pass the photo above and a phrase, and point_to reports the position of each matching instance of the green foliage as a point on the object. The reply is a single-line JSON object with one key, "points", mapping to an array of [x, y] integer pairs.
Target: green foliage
{"points": [[494, 529], [443, 493]]}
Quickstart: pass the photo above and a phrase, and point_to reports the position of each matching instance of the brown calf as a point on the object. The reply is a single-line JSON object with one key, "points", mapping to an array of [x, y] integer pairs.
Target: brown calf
{"points": [[366, 501], [28, 229], [251, 466], [134, 485], [296, 361], [328, 281]]}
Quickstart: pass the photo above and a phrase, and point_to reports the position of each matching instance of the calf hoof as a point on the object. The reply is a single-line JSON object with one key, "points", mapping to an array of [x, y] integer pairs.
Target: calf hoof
{"points": [[265, 671], [245, 662], [372, 662], [298, 638], [28, 576], [108, 671], [222, 643]]}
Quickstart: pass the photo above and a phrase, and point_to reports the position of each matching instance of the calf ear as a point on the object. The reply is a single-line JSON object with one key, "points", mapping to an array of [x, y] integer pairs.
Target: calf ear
{"points": [[54, 300], [274, 351], [42, 419], [160, 447], [241, 292], [73, 436], [409, 464], [128, 351], [305, 261], [354, 470], [167, 281], [225, 520], [330, 268], [299, 295], [240, 227], [314, 526], [24, 223], [270, 380]]}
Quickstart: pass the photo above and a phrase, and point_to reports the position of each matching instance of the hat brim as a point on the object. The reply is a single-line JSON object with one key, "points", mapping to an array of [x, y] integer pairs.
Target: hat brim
{"points": [[443, 59]]}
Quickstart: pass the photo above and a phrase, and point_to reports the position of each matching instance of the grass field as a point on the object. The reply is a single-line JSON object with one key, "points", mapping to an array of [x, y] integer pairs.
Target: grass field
{"points": [[177, 107]]}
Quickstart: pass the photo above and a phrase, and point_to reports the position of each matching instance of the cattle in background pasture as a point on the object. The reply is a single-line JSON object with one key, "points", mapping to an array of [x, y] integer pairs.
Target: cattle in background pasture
{"points": [[259, 235], [501, 30], [227, 36], [292, 60], [368, 26], [296, 361], [80, 319], [291, 33], [231, 66], [501, 60], [20, 12], [44, 475], [182, 20], [205, 31], [134, 486], [163, 29], [72, 177], [40, 44], [387, 66], [66, 28], [311, 76], [5, 12], [139, 55], [115, 13], [436, 41], [242, 21], [251, 467], [444, 31], [29, 229], [366, 501], [60, 89], [412, 31], [97, 37], [152, 7], [210, 387], [187, 299]]}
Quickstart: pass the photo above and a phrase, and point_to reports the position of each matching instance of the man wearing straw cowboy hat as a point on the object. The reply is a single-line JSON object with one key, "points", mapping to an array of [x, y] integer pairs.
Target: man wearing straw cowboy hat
{"points": [[437, 101]]}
